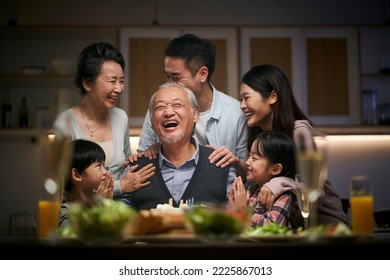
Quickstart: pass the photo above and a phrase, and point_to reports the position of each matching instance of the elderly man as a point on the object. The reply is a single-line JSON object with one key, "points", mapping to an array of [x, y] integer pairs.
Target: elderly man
{"points": [[183, 170]]}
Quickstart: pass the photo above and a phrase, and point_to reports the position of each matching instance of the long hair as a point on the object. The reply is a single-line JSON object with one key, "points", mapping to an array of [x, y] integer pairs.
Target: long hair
{"points": [[266, 78]]}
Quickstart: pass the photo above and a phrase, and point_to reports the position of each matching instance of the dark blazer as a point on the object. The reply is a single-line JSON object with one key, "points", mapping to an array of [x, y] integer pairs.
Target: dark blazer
{"points": [[207, 185]]}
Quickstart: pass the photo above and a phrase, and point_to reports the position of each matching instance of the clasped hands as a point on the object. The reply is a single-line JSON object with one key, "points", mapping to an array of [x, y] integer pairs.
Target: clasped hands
{"points": [[106, 187], [239, 196]]}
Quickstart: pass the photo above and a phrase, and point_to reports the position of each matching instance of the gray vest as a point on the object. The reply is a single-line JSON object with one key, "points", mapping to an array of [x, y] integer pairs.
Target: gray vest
{"points": [[207, 185]]}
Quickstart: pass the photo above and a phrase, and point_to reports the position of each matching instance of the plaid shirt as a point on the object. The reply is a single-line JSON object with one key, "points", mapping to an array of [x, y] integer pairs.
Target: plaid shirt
{"points": [[285, 210]]}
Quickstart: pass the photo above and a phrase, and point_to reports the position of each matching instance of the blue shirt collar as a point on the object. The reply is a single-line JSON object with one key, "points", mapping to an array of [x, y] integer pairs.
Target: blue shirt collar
{"points": [[195, 157]]}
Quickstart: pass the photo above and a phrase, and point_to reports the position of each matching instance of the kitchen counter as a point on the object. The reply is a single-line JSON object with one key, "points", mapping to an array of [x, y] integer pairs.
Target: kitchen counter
{"points": [[353, 130]]}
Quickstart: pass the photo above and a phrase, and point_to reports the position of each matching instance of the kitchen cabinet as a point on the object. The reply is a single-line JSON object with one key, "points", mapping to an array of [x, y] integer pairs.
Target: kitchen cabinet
{"points": [[375, 56], [38, 46], [143, 49], [321, 64]]}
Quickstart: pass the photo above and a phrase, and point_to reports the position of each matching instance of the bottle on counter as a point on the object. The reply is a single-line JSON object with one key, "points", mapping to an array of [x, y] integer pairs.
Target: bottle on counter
{"points": [[23, 114], [6, 112]]}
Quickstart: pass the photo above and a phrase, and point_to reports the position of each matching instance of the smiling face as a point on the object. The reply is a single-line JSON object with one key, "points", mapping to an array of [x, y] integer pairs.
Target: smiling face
{"points": [[176, 71], [257, 109], [173, 118], [94, 174], [260, 170], [108, 86], [90, 178]]}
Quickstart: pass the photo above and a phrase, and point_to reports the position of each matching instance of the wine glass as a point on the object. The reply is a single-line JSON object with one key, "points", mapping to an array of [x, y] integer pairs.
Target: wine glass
{"points": [[312, 167], [303, 199]]}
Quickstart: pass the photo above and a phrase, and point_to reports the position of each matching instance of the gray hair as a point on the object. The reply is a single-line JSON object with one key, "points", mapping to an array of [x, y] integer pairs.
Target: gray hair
{"points": [[191, 97]]}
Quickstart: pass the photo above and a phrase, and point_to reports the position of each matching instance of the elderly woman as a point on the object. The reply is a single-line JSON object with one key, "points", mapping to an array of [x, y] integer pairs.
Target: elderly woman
{"points": [[100, 80]]}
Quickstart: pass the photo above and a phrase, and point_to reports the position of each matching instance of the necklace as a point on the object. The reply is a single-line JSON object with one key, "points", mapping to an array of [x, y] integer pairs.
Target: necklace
{"points": [[90, 131]]}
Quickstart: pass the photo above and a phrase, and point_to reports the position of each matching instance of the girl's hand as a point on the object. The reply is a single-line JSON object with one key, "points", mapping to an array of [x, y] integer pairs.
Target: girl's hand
{"points": [[238, 196]]}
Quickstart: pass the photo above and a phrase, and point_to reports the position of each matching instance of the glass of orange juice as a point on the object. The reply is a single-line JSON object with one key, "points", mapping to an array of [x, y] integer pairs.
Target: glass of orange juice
{"points": [[362, 205], [56, 154], [48, 217]]}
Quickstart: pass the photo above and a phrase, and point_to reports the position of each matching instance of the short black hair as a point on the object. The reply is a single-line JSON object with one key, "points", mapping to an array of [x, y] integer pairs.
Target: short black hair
{"points": [[195, 51], [85, 153]]}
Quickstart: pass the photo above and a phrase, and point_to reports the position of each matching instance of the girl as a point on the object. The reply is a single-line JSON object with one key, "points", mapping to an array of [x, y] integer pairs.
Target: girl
{"points": [[272, 155]]}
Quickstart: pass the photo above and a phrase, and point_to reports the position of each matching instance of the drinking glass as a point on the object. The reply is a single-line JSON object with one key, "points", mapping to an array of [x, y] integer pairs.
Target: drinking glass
{"points": [[56, 155], [303, 199], [362, 205], [312, 166]]}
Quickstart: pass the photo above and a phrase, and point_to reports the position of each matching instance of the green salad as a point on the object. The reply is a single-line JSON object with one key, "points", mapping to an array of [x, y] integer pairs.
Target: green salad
{"points": [[270, 229], [105, 219], [340, 229], [216, 223]]}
